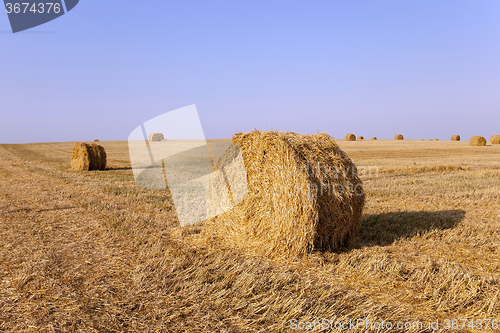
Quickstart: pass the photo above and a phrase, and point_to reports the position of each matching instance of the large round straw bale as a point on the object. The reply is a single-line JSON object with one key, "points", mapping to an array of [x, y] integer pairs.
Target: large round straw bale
{"points": [[477, 141], [88, 157], [350, 137], [374, 138], [455, 138], [304, 194], [360, 138], [399, 137], [495, 139], [156, 137]]}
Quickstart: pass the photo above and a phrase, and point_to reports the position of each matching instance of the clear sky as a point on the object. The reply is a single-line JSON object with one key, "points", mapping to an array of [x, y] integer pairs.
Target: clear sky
{"points": [[426, 68]]}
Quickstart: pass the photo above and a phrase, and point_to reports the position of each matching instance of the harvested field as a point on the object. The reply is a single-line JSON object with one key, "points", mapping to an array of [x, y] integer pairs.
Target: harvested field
{"points": [[92, 252]]}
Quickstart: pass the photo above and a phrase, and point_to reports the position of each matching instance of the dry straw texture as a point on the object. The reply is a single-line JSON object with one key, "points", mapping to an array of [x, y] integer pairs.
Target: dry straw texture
{"points": [[156, 137], [304, 193], [374, 138], [495, 139], [477, 141], [350, 137], [93, 252], [88, 157], [399, 137], [360, 138], [455, 138]]}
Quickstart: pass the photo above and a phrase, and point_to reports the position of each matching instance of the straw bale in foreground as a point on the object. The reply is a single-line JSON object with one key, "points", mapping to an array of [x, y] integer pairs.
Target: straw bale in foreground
{"points": [[303, 194], [88, 157]]}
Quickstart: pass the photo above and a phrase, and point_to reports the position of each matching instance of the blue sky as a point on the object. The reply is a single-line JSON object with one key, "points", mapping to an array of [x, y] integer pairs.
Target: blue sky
{"points": [[426, 69]]}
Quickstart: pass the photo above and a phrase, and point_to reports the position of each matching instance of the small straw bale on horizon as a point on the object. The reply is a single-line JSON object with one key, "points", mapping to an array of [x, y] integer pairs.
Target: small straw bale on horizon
{"points": [[156, 137], [350, 137], [477, 141]]}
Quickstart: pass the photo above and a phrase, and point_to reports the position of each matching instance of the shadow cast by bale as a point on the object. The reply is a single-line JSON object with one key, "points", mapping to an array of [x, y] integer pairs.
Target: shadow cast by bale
{"points": [[384, 229]]}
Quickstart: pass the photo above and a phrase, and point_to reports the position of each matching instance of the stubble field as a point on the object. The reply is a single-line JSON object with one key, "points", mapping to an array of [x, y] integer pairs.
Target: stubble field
{"points": [[93, 252]]}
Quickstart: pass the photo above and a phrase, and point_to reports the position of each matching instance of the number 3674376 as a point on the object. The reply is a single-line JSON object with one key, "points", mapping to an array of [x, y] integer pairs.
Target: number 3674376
{"points": [[35, 8]]}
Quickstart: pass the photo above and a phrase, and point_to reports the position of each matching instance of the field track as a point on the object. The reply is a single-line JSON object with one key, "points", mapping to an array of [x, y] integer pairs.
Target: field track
{"points": [[92, 252]]}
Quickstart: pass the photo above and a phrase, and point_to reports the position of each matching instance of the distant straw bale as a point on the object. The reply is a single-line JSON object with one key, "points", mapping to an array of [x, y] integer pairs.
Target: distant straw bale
{"points": [[455, 138], [88, 157], [495, 139], [350, 137], [374, 138], [477, 141], [399, 137], [96, 140], [435, 139], [360, 138], [304, 194], [156, 137]]}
